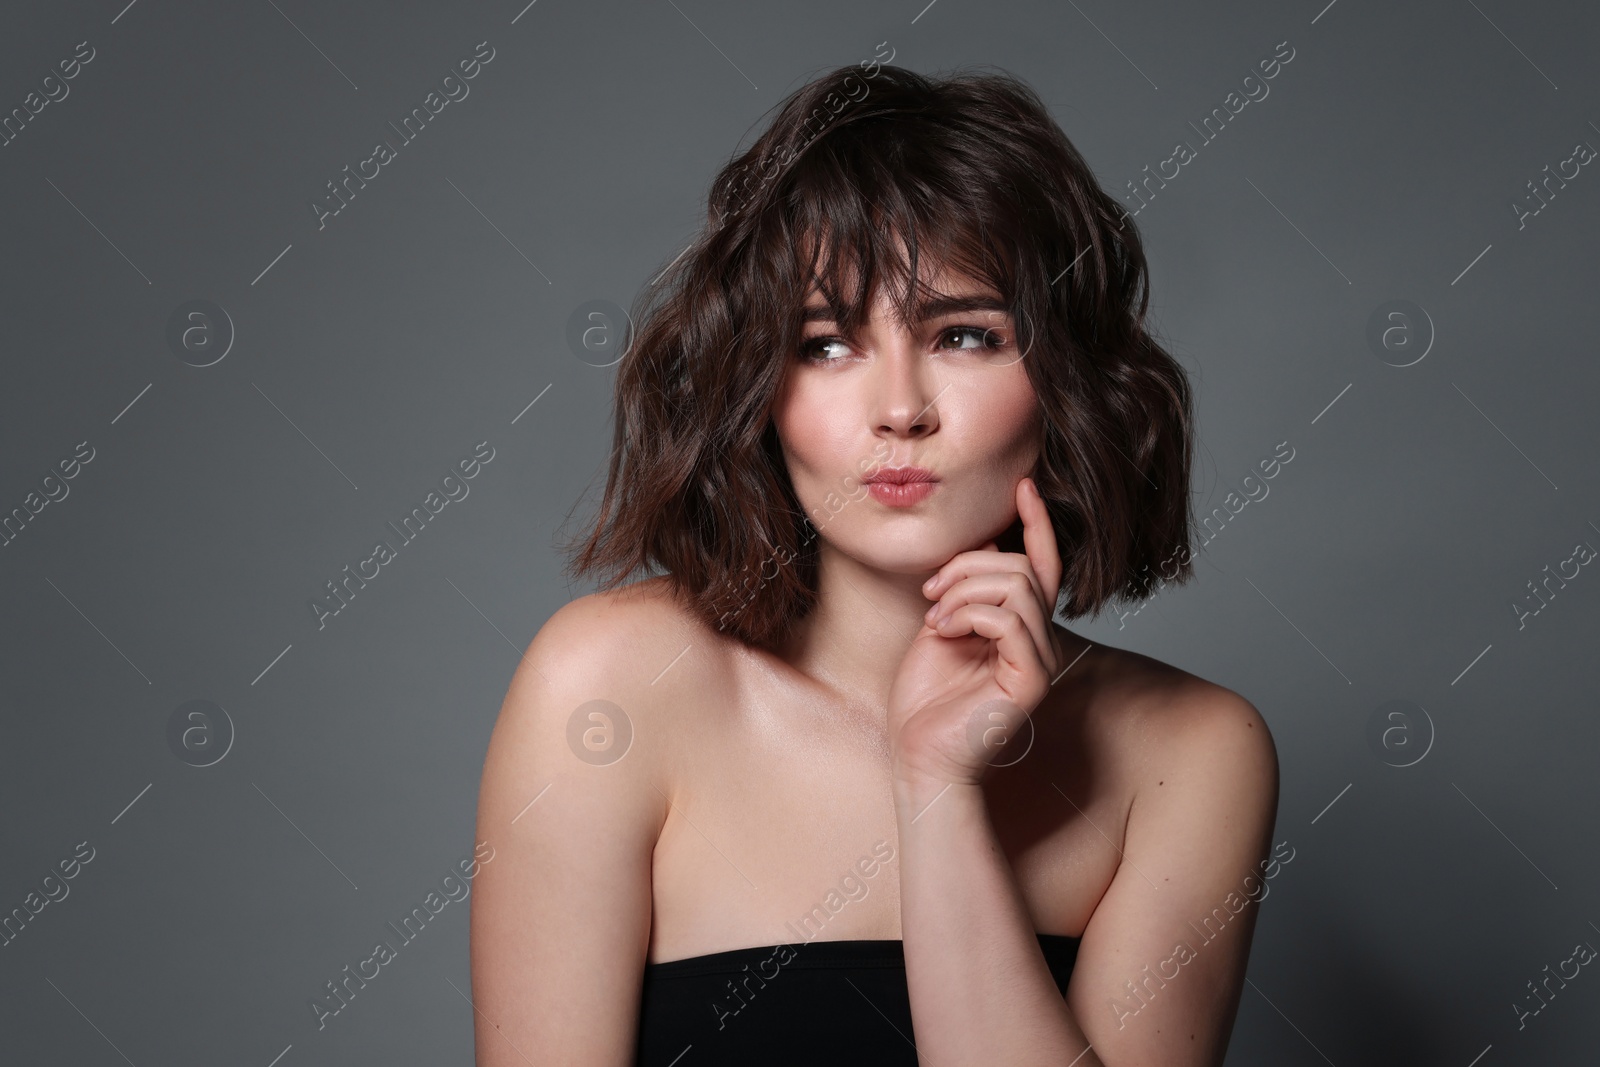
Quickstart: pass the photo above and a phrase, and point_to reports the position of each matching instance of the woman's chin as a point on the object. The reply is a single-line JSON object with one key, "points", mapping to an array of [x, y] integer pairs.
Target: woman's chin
{"points": [[920, 556]]}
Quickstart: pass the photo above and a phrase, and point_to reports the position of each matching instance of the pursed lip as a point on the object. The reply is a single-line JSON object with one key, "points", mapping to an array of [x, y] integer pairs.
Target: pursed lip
{"points": [[902, 476]]}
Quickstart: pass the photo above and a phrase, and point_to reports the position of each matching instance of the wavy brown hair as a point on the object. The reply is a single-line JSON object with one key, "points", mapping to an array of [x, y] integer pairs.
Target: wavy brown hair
{"points": [[861, 174]]}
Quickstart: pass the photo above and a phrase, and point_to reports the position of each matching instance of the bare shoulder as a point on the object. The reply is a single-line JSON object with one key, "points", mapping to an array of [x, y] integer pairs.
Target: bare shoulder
{"points": [[630, 655], [598, 628], [615, 639], [1165, 719], [574, 702]]}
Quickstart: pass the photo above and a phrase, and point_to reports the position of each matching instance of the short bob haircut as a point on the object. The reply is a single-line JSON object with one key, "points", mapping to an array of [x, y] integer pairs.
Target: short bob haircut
{"points": [[968, 171]]}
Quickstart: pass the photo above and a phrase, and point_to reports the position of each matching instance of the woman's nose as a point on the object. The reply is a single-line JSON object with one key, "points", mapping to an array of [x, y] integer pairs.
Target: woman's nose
{"points": [[906, 391]]}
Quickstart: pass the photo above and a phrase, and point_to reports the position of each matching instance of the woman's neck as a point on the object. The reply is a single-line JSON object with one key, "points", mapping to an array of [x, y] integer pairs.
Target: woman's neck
{"points": [[860, 628]]}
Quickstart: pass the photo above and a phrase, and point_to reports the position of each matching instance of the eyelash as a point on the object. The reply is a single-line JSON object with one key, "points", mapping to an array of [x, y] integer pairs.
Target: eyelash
{"points": [[810, 349]]}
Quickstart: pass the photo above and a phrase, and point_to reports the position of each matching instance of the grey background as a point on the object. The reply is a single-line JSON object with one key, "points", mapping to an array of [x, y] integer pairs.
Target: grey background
{"points": [[430, 313]]}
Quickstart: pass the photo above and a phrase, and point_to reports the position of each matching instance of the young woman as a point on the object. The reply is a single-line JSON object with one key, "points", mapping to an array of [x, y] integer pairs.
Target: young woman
{"points": [[832, 786]]}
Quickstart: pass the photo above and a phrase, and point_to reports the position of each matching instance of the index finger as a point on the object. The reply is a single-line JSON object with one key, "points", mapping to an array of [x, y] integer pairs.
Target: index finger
{"points": [[1039, 541]]}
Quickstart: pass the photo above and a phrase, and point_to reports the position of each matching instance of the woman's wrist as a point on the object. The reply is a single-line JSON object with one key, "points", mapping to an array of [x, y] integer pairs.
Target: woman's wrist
{"points": [[915, 791]]}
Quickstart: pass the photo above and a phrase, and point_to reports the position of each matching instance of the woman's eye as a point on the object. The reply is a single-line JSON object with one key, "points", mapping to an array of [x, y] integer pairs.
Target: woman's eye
{"points": [[986, 338], [815, 349]]}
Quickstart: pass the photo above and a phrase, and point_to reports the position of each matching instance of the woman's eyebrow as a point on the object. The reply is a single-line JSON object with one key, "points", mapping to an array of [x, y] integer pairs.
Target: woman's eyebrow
{"points": [[930, 309], [949, 305]]}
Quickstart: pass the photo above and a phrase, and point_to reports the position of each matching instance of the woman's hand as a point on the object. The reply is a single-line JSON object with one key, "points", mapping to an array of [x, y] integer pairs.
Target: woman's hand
{"points": [[984, 658]]}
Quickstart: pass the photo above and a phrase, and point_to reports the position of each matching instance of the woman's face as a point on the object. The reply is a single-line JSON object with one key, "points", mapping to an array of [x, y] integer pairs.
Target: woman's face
{"points": [[949, 394]]}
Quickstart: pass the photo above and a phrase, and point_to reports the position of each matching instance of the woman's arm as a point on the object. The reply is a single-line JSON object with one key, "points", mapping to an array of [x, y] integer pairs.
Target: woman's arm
{"points": [[980, 988], [561, 918], [1162, 962]]}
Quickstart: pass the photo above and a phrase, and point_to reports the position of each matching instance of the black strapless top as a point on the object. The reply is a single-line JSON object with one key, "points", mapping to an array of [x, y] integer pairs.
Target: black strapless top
{"points": [[817, 1002]]}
